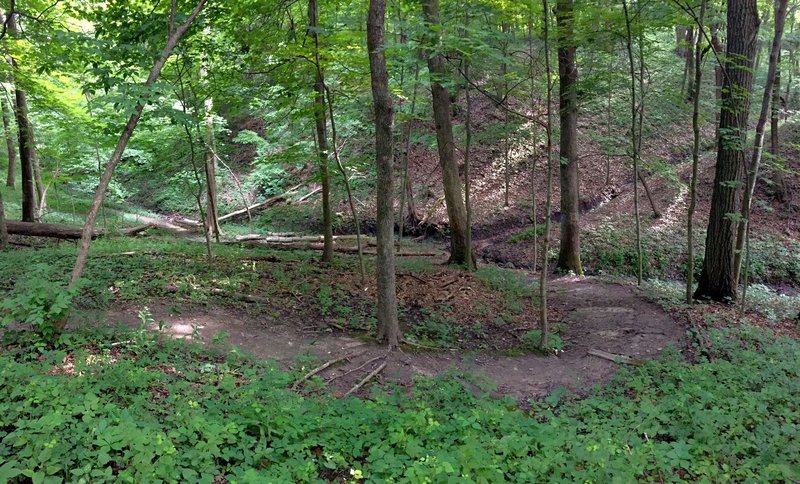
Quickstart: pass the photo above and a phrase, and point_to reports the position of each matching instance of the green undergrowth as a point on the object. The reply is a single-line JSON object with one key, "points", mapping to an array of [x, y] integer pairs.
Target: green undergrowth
{"points": [[150, 409], [611, 249], [477, 311]]}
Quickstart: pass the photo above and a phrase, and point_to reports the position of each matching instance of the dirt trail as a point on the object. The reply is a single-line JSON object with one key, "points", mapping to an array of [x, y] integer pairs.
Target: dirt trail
{"points": [[599, 315]]}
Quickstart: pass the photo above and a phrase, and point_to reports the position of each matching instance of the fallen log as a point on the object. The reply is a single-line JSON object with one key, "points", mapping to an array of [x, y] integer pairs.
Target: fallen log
{"points": [[319, 246], [290, 239], [66, 232], [261, 205]]}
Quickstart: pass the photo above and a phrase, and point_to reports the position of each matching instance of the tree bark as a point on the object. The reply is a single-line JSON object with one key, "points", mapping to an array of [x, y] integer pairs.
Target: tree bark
{"points": [[212, 212], [544, 326], [27, 148], [175, 35], [322, 135], [634, 141], [698, 78], [3, 227], [11, 179], [456, 210], [388, 326], [718, 277], [781, 7], [569, 257]]}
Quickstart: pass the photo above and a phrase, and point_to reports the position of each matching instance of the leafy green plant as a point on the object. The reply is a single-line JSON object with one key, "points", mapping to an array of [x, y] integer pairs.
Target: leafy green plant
{"points": [[531, 339], [40, 303]]}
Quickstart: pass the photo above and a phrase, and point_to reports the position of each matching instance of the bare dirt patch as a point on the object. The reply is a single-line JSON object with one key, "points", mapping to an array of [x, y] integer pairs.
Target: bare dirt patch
{"points": [[596, 315]]}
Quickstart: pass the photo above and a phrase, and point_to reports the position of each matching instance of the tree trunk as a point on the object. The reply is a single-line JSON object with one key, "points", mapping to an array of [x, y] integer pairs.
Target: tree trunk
{"points": [[634, 141], [544, 326], [698, 78], [758, 143], [11, 179], [388, 327], [406, 189], [718, 278], [467, 150], [775, 111], [41, 190], [27, 148], [569, 257], [322, 135], [456, 210], [688, 78], [175, 35], [212, 212], [3, 228]]}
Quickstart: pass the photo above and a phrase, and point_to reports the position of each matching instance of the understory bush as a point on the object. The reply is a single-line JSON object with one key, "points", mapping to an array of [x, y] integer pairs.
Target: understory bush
{"points": [[93, 412]]}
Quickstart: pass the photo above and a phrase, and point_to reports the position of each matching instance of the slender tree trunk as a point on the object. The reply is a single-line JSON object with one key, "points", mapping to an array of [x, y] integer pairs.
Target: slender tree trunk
{"points": [[689, 58], [507, 140], [456, 210], [27, 148], [322, 136], [212, 212], [544, 326], [3, 229], [698, 78], [634, 142], [569, 257], [775, 110], [11, 179], [467, 150], [388, 327], [718, 277], [346, 180], [533, 141], [406, 190], [781, 7], [41, 190], [175, 35]]}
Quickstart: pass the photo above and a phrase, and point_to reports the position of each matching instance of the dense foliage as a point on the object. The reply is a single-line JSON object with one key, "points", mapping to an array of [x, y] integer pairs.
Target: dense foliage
{"points": [[94, 411]]}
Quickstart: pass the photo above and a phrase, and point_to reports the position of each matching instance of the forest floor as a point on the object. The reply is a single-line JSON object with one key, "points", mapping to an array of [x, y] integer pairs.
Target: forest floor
{"points": [[596, 315]]}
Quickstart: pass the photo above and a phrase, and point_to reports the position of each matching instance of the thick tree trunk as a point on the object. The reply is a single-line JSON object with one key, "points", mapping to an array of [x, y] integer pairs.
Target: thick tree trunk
{"points": [[569, 256], [175, 35], [758, 143], [322, 135], [11, 179], [718, 278], [388, 327], [456, 210], [27, 148]]}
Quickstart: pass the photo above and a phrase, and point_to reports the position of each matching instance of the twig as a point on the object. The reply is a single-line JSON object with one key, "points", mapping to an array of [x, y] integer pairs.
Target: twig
{"points": [[371, 360], [413, 277], [318, 369], [367, 378]]}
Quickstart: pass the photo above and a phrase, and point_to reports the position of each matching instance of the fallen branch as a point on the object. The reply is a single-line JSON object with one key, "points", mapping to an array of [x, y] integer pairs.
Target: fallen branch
{"points": [[318, 369], [261, 205], [318, 246], [627, 360], [371, 360], [367, 378]]}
